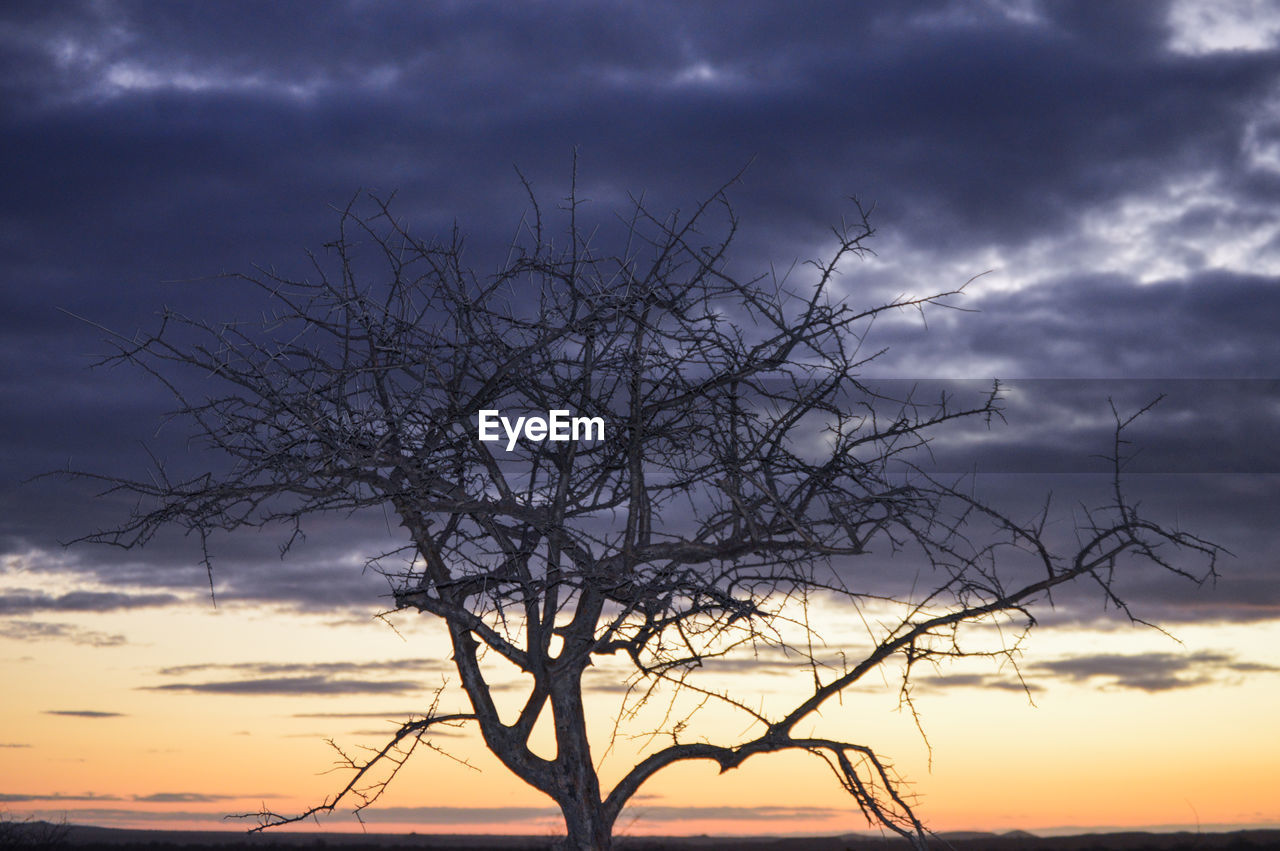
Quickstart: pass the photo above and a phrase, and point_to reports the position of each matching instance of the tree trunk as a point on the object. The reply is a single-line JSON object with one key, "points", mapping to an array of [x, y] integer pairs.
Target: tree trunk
{"points": [[587, 828], [578, 792]]}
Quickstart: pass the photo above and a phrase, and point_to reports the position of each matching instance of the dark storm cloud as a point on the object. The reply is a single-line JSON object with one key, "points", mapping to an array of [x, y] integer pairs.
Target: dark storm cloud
{"points": [[151, 145], [1106, 327], [997, 126], [320, 574], [1232, 510], [313, 584], [1067, 425]]}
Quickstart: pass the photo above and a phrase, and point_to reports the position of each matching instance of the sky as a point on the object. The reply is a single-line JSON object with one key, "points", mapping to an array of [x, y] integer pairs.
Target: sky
{"points": [[1111, 172]]}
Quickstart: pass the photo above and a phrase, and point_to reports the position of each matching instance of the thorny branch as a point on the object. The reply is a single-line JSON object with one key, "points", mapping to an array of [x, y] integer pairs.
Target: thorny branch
{"points": [[747, 469]]}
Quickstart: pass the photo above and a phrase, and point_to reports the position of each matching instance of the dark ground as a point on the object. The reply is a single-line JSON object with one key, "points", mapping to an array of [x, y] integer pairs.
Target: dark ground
{"points": [[38, 835]]}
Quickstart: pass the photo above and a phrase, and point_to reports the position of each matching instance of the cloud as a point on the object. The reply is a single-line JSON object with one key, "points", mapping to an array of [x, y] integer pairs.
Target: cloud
{"points": [[20, 798], [385, 716], [642, 810], [26, 602], [1117, 169], [40, 631], [314, 579], [327, 668], [437, 732], [981, 681], [1195, 327], [316, 685], [651, 812], [1199, 27], [108, 816], [447, 816], [314, 678], [83, 713], [1149, 672], [189, 798]]}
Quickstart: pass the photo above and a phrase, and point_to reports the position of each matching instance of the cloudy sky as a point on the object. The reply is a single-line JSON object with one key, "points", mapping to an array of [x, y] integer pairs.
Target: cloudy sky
{"points": [[1113, 169]]}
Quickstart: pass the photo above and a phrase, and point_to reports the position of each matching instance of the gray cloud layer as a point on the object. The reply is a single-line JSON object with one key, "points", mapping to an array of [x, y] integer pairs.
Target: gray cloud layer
{"points": [[21, 603], [1130, 189], [1149, 672], [304, 679], [40, 631]]}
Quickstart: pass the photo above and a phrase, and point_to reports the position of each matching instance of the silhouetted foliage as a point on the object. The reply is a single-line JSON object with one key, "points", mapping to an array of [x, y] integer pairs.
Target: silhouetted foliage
{"points": [[31, 834]]}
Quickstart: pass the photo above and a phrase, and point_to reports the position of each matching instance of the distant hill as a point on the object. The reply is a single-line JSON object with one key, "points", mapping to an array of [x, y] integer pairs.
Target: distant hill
{"points": [[86, 838]]}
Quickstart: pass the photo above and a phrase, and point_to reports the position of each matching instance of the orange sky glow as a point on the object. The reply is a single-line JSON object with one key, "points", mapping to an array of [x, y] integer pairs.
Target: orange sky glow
{"points": [[1069, 756]]}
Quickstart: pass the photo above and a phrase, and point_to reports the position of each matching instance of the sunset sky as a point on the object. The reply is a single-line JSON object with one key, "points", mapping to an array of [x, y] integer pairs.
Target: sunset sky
{"points": [[1113, 169]]}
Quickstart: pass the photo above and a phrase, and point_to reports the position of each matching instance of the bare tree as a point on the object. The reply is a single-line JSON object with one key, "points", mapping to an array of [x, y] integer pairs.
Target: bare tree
{"points": [[745, 470]]}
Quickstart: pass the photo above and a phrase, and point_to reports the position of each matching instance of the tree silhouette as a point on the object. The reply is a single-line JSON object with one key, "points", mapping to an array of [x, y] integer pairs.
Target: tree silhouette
{"points": [[745, 470]]}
